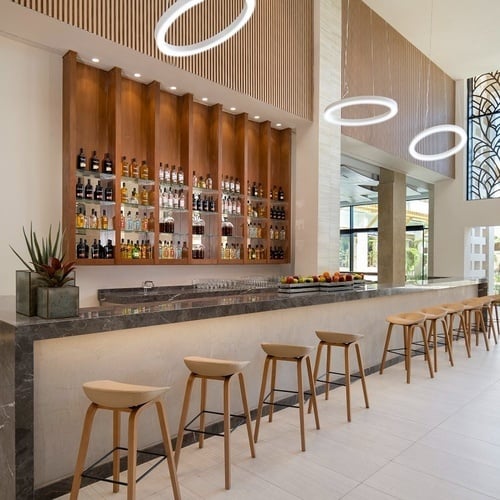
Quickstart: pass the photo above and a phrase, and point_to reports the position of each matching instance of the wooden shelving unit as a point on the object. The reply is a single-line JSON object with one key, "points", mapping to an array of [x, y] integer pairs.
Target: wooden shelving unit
{"points": [[106, 112]]}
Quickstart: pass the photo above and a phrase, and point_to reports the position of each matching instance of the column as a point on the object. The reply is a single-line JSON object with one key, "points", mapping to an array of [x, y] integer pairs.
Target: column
{"points": [[391, 227]]}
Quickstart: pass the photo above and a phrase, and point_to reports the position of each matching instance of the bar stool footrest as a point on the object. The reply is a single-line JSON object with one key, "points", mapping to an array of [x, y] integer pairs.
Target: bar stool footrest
{"points": [[330, 382], [242, 419], [284, 405], [87, 472], [401, 350]]}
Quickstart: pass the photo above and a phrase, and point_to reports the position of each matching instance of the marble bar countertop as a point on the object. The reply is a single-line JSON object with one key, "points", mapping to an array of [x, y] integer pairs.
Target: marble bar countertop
{"points": [[131, 308]]}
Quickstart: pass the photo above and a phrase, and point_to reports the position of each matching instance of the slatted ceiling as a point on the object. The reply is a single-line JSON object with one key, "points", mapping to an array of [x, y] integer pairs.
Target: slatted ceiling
{"points": [[269, 59]]}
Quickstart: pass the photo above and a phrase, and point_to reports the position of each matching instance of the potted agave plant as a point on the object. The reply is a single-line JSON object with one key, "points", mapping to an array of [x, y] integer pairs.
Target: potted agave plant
{"points": [[44, 288]]}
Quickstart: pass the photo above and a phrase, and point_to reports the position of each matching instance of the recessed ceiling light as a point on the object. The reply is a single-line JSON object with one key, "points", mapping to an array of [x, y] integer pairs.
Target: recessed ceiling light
{"points": [[137, 75], [204, 99], [173, 87], [278, 124], [232, 108], [256, 117], [95, 59]]}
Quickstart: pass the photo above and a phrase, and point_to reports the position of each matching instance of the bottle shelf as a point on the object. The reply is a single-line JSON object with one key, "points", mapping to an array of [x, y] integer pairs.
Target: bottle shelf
{"points": [[137, 206], [95, 174], [102, 203]]}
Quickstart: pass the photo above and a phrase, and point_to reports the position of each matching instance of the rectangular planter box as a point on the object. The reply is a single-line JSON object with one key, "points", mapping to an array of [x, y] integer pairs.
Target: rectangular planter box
{"points": [[26, 292], [62, 302]]}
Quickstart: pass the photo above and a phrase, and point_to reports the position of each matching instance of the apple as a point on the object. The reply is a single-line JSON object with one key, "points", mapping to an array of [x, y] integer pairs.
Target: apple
{"points": [[315, 279], [289, 280], [322, 279], [336, 278], [341, 278], [348, 277], [328, 279]]}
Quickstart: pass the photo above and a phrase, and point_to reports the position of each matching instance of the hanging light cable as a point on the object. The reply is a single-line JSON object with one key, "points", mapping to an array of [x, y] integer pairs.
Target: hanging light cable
{"points": [[444, 128], [332, 113], [182, 6]]}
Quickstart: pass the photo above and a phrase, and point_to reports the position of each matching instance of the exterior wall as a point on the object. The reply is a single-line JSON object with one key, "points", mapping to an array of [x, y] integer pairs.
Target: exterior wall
{"points": [[453, 215]]}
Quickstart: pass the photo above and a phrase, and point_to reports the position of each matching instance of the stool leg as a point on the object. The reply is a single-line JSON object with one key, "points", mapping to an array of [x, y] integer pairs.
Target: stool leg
{"points": [[300, 394], [273, 386], [227, 434], [261, 398], [426, 348], [328, 368], [466, 336], [185, 408], [116, 453], [347, 377], [203, 404], [314, 399], [386, 346], [448, 341], [408, 337], [482, 326], [82, 452], [162, 418], [433, 334], [316, 371], [247, 413], [362, 373], [132, 455], [491, 324]]}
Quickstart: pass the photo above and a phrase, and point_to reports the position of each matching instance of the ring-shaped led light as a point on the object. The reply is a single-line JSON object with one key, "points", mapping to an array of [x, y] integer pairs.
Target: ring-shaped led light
{"points": [[182, 6], [332, 112], [436, 130]]}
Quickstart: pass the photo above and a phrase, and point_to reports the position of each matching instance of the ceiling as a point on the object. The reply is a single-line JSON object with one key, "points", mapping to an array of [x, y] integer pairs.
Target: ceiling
{"points": [[461, 36]]}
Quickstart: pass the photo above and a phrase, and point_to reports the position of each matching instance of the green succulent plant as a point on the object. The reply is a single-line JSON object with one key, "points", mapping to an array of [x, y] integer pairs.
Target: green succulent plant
{"points": [[47, 258]]}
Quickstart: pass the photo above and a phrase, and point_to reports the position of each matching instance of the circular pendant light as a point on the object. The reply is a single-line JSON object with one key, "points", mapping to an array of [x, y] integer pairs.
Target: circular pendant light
{"points": [[436, 130], [332, 112], [182, 6]]}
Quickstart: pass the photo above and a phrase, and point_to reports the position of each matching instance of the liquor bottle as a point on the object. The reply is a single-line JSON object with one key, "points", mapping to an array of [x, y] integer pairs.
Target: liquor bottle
{"points": [[171, 251], [201, 182], [93, 222], [89, 190], [231, 184], [180, 176], [170, 199], [86, 249], [161, 173], [271, 232], [137, 222], [166, 174], [109, 251], [144, 222], [255, 190], [151, 197], [164, 198], [98, 192], [144, 170], [281, 194], [79, 188], [134, 169], [178, 250], [209, 182], [274, 193], [282, 233], [133, 197], [80, 250], [185, 250], [182, 200], [122, 220], [108, 192], [144, 196], [129, 222], [149, 250], [261, 190], [125, 167], [80, 218], [195, 180], [81, 160], [136, 251], [107, 164], [94, 251], [222, 251], [104, 220], [226, 183], [173, 175], [142, 247], [237, 186], [175, 201], [211, 205], [94, 163], [151, 222], [124, 193]]}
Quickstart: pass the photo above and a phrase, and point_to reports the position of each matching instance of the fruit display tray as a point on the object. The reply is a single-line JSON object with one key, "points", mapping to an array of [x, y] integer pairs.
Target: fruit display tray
{"points": [[298, 287], [336, 286]]}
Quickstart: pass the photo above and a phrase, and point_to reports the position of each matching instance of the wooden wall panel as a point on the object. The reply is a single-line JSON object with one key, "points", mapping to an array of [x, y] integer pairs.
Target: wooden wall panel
{"points": [[270, 59], [376, 59]]}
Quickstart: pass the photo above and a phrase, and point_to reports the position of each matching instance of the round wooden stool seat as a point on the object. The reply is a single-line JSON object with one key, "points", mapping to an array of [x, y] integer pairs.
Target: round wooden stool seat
{"points": [[335, 338], [287, 350], [453, 307], [433, 312], [120, 395], [213, 367], [432, 316], [475, 323], [456, 309], [406, 319], [471, 304]]}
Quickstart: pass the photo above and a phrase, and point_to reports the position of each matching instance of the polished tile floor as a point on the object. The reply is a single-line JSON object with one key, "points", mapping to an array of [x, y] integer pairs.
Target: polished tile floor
{"points": [[433, 439]]}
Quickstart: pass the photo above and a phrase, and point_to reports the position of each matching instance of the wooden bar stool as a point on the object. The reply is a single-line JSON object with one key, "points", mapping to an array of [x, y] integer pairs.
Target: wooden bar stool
{"points": [[495, 303], [133, 399], [295, 354], [433, 315], [344, 340], [214, 369], [474, 320], [456, 310], [409, 321], [488, 307]]}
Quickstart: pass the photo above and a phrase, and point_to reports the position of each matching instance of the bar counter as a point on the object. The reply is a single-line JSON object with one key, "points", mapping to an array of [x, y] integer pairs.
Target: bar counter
{"points": [[143, 339]]}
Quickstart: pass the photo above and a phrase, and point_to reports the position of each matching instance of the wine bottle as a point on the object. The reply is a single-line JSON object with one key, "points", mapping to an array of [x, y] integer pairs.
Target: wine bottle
{"points": [[98, 192], [125, 167], [94, 163], [80, 250], [108, 192], [144, 170], [81, 160], [89, 190], [180, 176], [107, 164], [79, 188], [134, 169]]}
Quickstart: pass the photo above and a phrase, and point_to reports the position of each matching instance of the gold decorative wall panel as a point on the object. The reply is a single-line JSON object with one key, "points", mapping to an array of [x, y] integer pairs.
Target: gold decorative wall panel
{"points": [[376, 59], [269, 59]]}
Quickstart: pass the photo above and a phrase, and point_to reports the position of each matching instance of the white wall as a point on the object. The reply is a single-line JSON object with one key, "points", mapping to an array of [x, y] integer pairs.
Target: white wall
{"points": [[453, 215]]}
